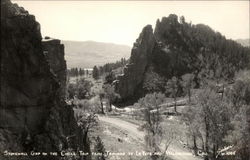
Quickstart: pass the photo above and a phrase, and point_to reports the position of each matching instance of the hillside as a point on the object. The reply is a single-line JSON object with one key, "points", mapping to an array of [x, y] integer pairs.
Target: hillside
{"points": [[175, 48], [87, 54], [243, 42]]}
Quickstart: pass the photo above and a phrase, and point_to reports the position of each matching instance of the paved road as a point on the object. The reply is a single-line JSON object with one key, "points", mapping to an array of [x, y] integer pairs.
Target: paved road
{"points": [[175, 150]]}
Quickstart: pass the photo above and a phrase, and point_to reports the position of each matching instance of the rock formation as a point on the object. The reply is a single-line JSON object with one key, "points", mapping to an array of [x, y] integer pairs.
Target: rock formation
{"points": [[134, 71], [54, 52], [174, 49], [33, 114]]}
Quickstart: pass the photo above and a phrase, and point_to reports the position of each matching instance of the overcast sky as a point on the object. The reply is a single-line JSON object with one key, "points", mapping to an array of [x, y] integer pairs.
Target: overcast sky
{"points": [[122, 21]]}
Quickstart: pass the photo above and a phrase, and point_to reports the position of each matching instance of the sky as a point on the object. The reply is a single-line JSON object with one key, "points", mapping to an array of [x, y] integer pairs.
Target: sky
{"points": [[122, 21]]}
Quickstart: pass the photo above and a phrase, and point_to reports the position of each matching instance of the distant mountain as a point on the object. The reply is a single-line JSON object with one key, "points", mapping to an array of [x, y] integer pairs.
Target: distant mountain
{"points": [[243, 42], [87, 54]]}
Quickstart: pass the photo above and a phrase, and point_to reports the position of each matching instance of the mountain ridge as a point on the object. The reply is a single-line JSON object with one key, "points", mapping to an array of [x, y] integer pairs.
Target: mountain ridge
{"points": [[244, 42], [87, 54]]}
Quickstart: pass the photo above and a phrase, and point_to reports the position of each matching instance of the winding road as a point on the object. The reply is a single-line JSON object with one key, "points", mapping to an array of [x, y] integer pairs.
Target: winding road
{"points": [[175, 150]]}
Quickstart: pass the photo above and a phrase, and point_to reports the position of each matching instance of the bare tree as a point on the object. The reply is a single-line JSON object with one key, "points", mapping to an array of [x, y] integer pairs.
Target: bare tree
{"points": [[110, 94], [188, 115], [173, 88], [101, 96], [188, 84], [212, 114], [169, 135], [86, 122], [151, 115]]}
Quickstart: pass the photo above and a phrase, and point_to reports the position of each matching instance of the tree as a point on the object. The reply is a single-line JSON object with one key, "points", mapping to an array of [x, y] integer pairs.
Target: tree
{"points": [[101, 96], [212, 114], [239, 135], [81, 72], [169, 135], [150, 106], [109, 67], [110, 94], [83, 105], [99, 149], [194, 127], [172, 89], [76, 72], [95, 73], [222, 122], [80, 89], [110, 78], [101, 70], [87, 72], [239, 96], [188, 84], [71, 90], [157, 138], [86, 122], [83, 88], [182, 20], [153, 82], [240, 92]]}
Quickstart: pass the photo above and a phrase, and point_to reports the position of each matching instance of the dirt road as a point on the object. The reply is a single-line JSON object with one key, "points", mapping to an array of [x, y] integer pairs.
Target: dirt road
{"points": [[175, 151]]}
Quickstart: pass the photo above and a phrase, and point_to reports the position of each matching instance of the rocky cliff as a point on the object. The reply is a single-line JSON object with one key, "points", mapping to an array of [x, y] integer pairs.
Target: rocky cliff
{"points": [[175, 48], [33, 114]]}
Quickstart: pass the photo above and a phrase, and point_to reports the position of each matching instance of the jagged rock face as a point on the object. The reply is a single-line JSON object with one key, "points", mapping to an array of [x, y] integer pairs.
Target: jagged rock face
{"points": [[134, 71], [174, 49], [54, 52], [149, 51], [27, 86], [33, 115]]}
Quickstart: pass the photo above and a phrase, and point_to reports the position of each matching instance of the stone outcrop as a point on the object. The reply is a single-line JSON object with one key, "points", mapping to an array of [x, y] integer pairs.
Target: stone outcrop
{"points": [[134, 71], [33, 114]]}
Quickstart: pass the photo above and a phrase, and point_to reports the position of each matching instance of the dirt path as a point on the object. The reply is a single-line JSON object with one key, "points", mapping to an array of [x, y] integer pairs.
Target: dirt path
{"points": [[175, 151], [130, 127]]}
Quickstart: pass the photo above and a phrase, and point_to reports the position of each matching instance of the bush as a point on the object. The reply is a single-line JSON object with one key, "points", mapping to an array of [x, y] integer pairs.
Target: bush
{"points": [[81, 89]]}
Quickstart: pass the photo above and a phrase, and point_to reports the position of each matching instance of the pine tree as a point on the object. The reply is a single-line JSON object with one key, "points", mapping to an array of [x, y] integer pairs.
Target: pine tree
{"points": [[87, 72], [95, 73]]}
